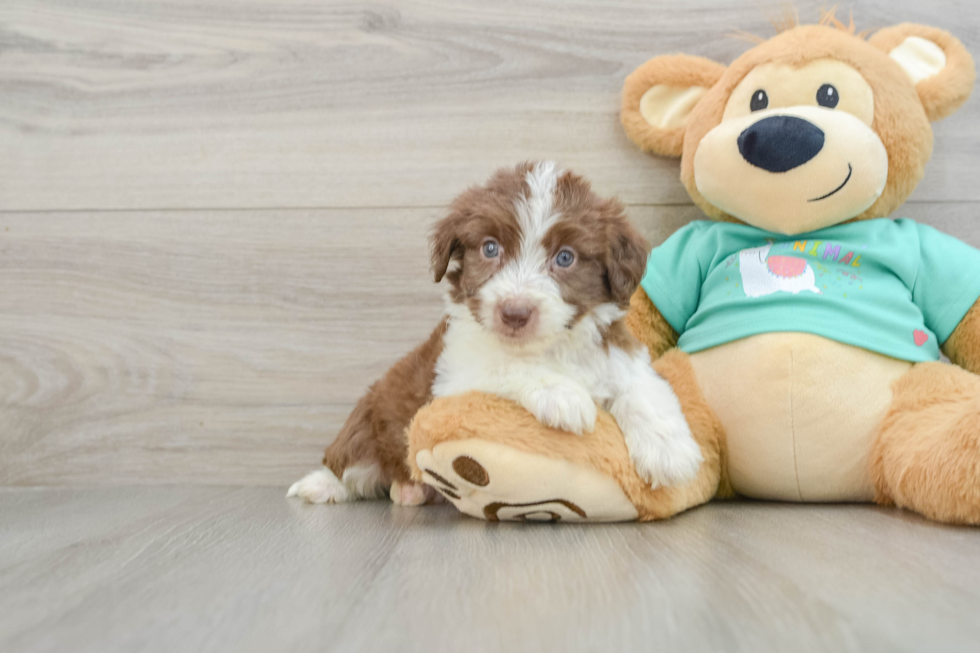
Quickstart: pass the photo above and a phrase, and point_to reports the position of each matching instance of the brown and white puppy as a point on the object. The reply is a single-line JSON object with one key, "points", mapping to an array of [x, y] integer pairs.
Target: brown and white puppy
{"points": [[542, 273]]}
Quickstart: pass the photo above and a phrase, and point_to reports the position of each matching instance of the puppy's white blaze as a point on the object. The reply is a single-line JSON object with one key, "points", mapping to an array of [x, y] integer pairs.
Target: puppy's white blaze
{"points": [[535, 210], [536, 214], [526, 275]]}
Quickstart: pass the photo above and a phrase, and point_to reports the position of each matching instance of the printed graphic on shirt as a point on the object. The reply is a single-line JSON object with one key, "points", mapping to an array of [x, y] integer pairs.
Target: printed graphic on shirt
{"points": [[763, 273]]}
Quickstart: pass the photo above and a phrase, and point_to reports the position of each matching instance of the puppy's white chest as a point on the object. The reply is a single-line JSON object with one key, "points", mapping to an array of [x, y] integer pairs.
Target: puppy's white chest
{"points": [[472, 361]]}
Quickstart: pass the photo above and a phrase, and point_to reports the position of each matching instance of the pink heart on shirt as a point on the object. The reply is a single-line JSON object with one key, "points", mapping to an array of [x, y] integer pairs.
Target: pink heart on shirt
{"points": [[920, 337]]}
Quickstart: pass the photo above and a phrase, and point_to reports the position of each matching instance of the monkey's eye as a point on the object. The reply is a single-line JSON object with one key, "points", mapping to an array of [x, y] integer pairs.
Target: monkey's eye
{"points": [[828, 96], [565, 258], [491, 249], [760, 100]]}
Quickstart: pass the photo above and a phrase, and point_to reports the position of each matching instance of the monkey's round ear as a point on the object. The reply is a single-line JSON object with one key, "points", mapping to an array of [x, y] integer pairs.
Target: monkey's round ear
{"points": [[937, 63], [659, 96]]}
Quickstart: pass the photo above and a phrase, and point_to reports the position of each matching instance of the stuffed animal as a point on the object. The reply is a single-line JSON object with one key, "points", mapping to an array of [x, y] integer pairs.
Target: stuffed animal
{"points": [[800, 326]]}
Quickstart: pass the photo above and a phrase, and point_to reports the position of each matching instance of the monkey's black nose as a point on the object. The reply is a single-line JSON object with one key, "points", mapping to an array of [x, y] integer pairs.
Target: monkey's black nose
{"points": [[780, 143]]}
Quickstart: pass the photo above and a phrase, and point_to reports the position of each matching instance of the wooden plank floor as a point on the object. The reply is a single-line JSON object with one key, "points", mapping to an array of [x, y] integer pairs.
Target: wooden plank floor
{"points": [[238, 569]]}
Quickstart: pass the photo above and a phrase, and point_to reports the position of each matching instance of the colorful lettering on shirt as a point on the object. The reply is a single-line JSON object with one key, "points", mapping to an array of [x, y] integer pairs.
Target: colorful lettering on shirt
{"points": [[830, 251]]}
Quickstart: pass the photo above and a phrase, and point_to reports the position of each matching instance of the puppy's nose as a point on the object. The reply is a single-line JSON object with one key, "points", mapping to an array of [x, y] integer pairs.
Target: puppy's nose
{"points": [[515, 315], [780, 143]]}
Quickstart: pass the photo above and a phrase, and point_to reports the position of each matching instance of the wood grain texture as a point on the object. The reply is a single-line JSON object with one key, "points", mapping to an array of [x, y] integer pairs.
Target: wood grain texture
{"points": [[239, 103], [243, 569], [196, 346]]}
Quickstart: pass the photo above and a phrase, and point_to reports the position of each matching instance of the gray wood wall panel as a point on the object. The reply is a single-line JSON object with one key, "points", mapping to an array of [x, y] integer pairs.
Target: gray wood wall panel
{"points": [[236, 103]]}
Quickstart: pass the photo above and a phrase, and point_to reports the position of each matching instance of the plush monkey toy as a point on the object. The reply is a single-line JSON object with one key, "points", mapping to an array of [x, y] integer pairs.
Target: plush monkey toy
{"points": [[800, 326]]}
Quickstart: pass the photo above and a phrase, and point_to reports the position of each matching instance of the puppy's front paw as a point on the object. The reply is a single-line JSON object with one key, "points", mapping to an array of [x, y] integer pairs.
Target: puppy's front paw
{"points": [[566, 406], [665, 456], [320, 486]]}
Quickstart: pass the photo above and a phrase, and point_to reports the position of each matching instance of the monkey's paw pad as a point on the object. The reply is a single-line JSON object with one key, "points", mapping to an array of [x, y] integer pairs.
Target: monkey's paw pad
{"points": [[495, 482]]}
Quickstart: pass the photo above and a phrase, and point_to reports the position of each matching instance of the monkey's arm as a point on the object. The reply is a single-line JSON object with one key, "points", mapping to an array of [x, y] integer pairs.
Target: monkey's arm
{"points": [[648, 326]]}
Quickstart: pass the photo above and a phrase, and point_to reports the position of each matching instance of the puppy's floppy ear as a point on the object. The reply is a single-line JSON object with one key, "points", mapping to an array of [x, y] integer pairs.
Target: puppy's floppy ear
{"points": [[659, 96], [940, 68], [626, 260], [444, 243]]}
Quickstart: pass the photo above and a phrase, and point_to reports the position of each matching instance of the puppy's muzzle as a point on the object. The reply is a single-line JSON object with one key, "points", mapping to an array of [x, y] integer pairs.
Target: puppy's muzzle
{"points": [[516, 314]]}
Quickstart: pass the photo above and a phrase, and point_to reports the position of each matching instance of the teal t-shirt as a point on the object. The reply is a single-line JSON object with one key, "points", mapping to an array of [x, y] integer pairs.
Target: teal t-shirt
{"points": [[890, 286]]}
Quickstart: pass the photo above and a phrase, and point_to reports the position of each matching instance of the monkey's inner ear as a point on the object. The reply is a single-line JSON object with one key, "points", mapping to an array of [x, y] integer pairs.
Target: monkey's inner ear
{"points": [[919, 58], [667, 107], [659, 96], [936, 63]]}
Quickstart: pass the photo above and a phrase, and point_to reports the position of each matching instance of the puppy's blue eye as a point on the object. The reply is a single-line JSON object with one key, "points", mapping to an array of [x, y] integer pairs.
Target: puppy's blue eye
{"points": [[564, 258], [491, 249]]}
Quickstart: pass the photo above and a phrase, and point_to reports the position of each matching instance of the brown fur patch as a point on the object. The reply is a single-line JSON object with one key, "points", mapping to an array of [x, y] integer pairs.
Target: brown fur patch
{"points": [[618, 335], [375, 432], [611, 255], [479, 213], [584, 284]]}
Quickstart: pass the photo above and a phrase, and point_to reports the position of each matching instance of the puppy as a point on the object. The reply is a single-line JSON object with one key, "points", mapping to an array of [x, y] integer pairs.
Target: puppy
{"points": [[540, 272]]}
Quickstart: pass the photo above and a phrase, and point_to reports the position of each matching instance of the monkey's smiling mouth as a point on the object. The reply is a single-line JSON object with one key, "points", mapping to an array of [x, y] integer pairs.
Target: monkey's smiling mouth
{"points": [[850, 171]]}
